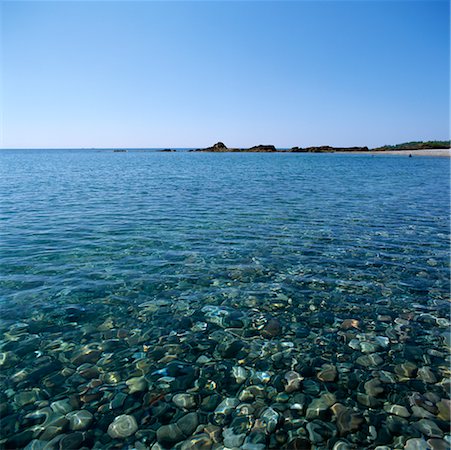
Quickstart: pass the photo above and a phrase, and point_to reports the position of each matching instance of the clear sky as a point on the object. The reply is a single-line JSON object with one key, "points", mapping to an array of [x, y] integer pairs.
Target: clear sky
{"points": [[191, 73]]}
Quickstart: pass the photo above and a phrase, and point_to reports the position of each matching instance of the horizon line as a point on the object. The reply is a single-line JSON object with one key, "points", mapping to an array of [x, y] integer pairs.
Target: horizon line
{"points": [[201, 147]]}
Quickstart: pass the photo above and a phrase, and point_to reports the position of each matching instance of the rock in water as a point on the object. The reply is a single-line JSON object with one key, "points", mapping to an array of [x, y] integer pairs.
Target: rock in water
{"points": [[416, 444], [328, 373], [373, 387], [198, 442], [444, 408], [186, 401], [347, 419], [169, 434], [293, 381], [79, 420], [270, 418], [425, 374], [136, 384], [122, 426], [188, 423], [272, 329], [428, 428], [231, 439], [319, 407]]}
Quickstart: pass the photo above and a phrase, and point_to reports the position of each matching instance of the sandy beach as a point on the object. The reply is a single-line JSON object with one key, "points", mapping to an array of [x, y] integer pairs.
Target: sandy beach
{"points": [[443, 152]]}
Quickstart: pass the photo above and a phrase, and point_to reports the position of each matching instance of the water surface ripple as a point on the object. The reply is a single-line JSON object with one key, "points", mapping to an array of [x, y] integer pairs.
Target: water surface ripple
{"points": [[302, 241]]}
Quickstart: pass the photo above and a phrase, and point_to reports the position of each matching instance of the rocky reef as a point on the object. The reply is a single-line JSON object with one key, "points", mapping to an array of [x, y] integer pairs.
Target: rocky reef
{"points": [[221, 147]]}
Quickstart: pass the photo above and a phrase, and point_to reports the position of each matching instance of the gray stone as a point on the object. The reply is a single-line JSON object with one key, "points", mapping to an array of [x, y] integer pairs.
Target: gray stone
{"points": [[418, 411], [341, 445], [425, 374], [118, 400], [232, 440], [251, 392], [416, 444], [122, 426], [405, 370], [169, 434], [136, 384], [71, 441], [26, 398], [270, 418], [328, 373], [373, 387], [256, 440], [198, 442], [79, 420], [369, 347], [240, 374], [225, 408], [252, 446], [366, 400], [36, 444], [184, 401], [293, 381], [438, 444], [7, 360], [387, 377], [62, 406], [54, 425], [428, 428], [397, 410], [319, 407], [188, 423], [318, 431], [371, 360]]}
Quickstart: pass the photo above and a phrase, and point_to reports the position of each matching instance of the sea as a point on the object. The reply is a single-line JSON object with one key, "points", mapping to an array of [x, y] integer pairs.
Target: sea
{"points": [[189, 300]]}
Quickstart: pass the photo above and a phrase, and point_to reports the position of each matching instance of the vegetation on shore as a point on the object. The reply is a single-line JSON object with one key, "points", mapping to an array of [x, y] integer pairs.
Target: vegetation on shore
{"points": [[416, 145]]}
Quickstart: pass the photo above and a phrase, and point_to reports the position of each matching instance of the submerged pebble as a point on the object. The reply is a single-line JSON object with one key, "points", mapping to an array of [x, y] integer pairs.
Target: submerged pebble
{"points": [[122, 426]]}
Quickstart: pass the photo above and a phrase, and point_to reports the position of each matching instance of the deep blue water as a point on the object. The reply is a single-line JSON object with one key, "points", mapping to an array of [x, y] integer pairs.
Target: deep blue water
{"points": [[128, 278]]}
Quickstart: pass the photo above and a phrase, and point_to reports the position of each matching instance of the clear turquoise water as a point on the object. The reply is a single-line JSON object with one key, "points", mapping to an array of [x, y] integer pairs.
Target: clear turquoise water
{"points": [[81, 225], [114, 265]]}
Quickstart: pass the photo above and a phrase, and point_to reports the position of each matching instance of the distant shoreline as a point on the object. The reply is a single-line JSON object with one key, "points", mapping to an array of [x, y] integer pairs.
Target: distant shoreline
{"points": [[420, 148], [440, 152]]}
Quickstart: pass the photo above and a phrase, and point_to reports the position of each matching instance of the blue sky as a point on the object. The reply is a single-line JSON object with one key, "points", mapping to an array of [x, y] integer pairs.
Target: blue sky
{"points": [[187, 74]]}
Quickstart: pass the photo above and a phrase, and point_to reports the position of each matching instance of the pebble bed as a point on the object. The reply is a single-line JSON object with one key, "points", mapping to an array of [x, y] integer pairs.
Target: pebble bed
{"points": [[258, 375]]}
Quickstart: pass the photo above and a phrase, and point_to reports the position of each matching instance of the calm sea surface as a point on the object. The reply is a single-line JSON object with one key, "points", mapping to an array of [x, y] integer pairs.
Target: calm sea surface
{"points": [[221, 278]]}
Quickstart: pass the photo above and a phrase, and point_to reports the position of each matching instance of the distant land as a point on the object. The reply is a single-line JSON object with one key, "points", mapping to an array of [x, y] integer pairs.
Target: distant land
{"points": [[415, 145]]}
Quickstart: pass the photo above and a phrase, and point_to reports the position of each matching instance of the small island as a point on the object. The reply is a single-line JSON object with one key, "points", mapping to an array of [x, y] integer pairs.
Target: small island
{"points": [[220, 147]]}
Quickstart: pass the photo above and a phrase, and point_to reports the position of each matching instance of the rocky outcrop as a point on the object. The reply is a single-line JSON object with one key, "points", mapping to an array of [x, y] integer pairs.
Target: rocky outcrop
{"points": [[265, 148], [261, 148], [327, 149], [221, 147], [218, 147]]}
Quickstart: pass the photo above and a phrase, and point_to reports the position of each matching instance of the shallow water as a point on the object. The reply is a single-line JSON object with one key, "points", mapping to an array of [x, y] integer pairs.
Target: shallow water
{"points": [[138, 260]]}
